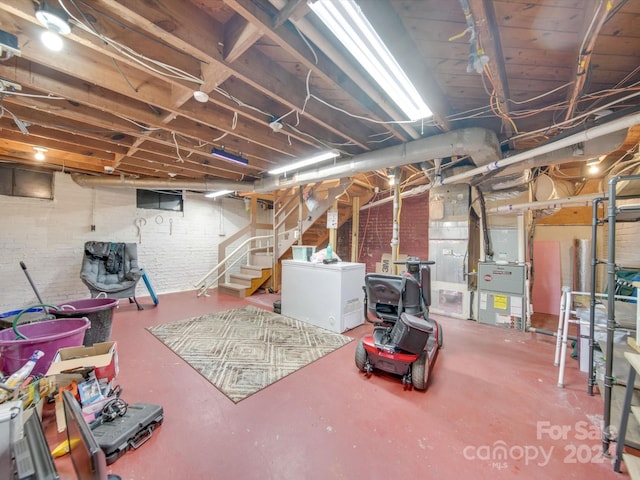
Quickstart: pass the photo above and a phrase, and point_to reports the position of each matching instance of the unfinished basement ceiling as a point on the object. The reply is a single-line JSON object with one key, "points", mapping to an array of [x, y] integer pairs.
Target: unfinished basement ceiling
{"points": [[118, 99]]}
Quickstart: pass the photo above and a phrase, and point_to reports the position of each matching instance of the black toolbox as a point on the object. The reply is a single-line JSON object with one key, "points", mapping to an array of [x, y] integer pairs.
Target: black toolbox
{"points": [[131, 430]]}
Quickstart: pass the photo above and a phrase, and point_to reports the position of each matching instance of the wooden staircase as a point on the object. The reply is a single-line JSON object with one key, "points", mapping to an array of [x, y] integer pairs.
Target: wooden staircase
{"points": [[247, 281], [293, 223]]}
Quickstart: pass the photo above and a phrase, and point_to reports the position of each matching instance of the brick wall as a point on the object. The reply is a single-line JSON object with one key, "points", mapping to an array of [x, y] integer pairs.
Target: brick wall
{"points": [[176, 248], [376, 231]]}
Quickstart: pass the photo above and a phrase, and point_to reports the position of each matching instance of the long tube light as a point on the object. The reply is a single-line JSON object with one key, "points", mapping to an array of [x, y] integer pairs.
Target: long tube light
{"points": [[347, 22], [220, 153], [305, 163], [219, 193]]}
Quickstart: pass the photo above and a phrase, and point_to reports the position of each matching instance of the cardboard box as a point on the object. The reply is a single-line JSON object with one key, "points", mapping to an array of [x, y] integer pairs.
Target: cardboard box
{"points": [[102, 356], [385, 265]]}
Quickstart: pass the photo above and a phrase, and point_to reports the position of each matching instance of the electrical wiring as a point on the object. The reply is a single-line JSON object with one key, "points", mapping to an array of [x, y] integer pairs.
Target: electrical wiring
{"points": [[324, 143], [143, 127], [19, 123], [304, 39], [156, 66], [217, 139], [359, 117], [175, 141], [239, 102], [388, 137], [48, 96], [542, 95], [574, 120]]}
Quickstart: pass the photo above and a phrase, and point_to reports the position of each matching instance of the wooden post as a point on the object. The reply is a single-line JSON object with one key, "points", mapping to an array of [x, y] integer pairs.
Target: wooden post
{"points": [[355, 228]]}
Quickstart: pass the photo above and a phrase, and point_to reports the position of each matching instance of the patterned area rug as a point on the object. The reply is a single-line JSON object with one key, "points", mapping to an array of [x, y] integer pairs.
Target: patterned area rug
{"points": [[244, 350]]}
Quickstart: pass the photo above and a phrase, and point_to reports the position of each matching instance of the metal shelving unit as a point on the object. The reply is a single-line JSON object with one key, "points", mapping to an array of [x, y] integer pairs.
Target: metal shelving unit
{"points": [[615, 213]]}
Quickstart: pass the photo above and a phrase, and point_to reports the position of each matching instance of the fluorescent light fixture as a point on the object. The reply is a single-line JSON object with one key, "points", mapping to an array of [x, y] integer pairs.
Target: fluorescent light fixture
{"points": [[305, 163], [219, 193], [220, 153], [347, 22]]}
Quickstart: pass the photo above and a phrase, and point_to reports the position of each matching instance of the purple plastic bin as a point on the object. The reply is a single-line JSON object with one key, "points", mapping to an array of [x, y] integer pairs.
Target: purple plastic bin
{"points": [[48, 336], [99, 311]]}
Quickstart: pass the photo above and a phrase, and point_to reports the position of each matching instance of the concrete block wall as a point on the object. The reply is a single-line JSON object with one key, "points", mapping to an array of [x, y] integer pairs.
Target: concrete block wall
{"points": [[175, 248]]}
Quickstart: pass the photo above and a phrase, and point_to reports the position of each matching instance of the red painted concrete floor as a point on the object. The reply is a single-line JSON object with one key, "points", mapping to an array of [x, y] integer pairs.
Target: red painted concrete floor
{"points": [[492, 410]]}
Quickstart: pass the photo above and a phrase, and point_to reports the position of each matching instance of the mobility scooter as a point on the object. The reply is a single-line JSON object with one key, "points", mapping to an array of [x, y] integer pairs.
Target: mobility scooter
{"points": [[405, 340]]}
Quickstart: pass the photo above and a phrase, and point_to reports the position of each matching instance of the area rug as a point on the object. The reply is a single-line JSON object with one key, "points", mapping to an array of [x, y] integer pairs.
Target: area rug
{"points": [[244, 350]]}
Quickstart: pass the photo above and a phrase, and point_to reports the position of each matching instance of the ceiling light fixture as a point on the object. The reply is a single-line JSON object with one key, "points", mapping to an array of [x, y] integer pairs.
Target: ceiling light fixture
{"points": [[305, 163], [593, 164], [221, 153], [219, 193], [40, 151], [56, 21], [347, 22], [201, 96]]}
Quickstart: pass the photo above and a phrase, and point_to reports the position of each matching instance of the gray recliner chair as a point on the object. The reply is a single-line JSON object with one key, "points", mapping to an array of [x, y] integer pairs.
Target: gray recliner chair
{"points": [[111, 268]]}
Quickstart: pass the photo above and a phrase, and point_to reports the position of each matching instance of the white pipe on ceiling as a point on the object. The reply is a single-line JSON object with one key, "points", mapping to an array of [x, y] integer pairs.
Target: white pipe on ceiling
{"points": [[579, 200]]}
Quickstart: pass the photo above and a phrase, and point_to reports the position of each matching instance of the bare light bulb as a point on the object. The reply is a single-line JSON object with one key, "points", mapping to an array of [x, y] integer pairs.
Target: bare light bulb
{"points": [[51, 40]]}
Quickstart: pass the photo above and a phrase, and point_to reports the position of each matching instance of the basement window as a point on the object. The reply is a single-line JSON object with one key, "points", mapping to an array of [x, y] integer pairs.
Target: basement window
{"points": [[22, 182], [153, 200]]}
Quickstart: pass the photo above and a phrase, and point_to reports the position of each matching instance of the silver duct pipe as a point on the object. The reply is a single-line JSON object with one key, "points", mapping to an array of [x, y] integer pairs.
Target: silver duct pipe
{"points": [[595, 141], [569, 141], [595, 147], [480, 144], [158, 184]]}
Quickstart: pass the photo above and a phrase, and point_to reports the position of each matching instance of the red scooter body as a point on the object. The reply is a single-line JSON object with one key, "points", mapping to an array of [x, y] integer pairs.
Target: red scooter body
{"points": [[401, 343]]}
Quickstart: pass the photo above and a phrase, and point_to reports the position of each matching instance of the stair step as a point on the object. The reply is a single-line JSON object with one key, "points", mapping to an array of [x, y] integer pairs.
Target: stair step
{"points": [[233, 289], [242, 278], [633, 465], [248, 269]]}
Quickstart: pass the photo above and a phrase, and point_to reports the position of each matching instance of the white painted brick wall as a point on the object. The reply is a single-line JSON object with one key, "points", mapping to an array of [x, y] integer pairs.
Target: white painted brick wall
{"points": [[49, 237]]}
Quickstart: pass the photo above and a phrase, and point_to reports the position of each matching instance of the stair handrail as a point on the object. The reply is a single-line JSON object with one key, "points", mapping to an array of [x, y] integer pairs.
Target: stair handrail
{"points": [[206, 286], [202, 284], [225, 259]]}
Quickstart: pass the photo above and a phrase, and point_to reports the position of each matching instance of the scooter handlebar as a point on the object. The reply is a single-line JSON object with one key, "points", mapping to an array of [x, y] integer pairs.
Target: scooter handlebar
{"points": [[421, 262]]}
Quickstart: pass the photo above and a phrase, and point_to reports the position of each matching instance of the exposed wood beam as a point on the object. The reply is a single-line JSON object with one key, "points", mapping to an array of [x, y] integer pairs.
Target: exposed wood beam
{"points": [[591, 29], [487, 30], [239, 36], [192, 34], [318, 63], [286, 12]]}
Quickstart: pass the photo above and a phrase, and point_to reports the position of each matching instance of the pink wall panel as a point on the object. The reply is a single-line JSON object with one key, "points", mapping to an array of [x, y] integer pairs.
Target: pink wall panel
{"points": [[547, 286]]}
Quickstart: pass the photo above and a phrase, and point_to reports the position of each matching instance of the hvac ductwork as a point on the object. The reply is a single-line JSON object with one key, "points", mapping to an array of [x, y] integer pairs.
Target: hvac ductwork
{"points": [[478, 143], [481, 144], [158, 184]]}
